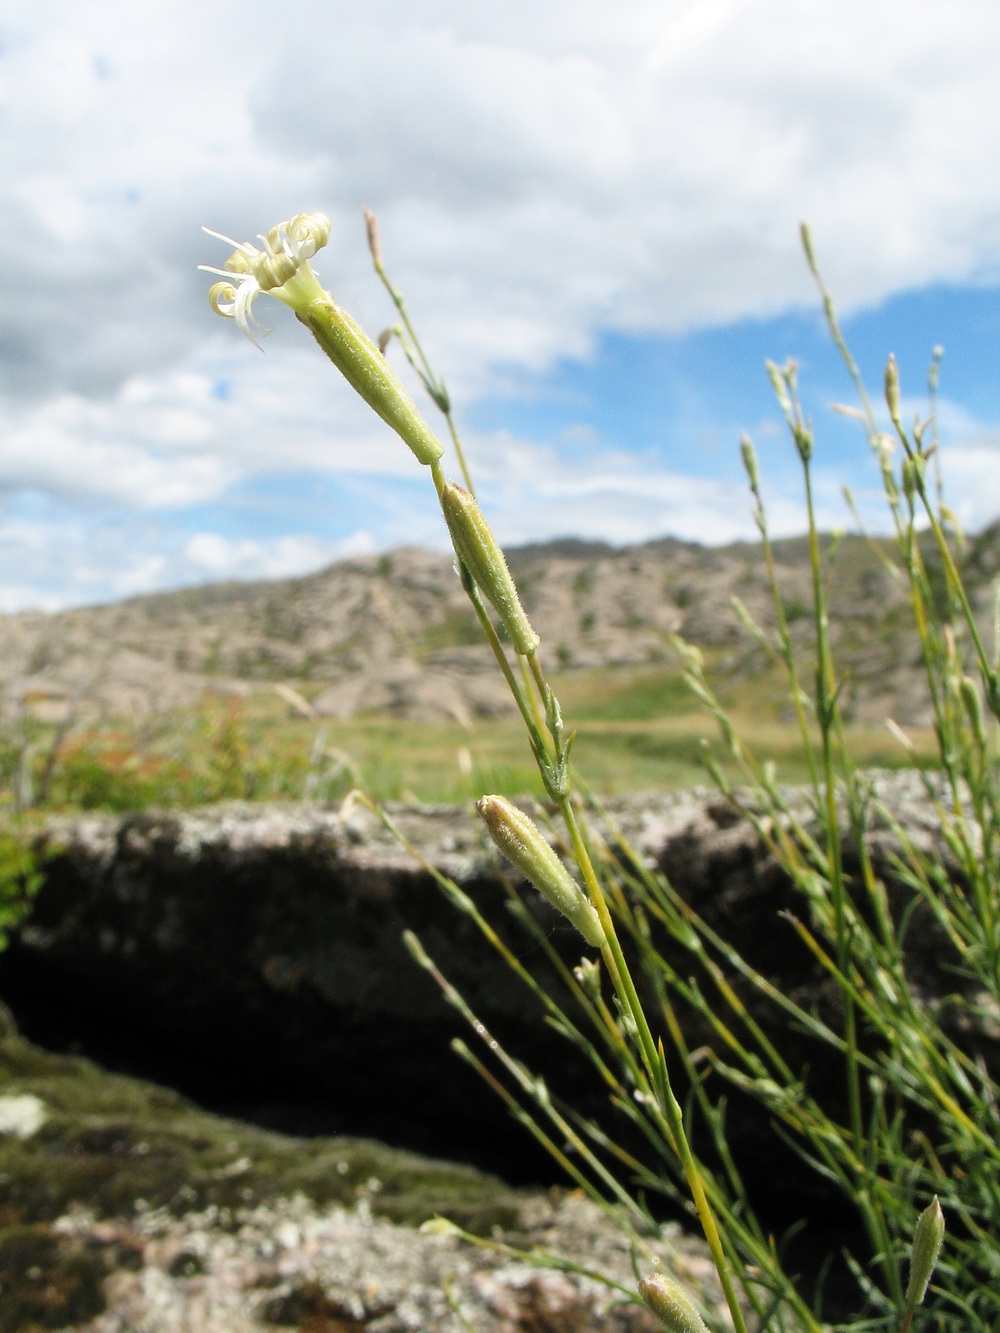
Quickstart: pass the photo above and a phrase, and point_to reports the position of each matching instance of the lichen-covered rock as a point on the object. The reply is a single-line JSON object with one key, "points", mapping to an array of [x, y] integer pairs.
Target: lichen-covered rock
{"points": [[123, 1206], [292, 1265], [252, 957]]}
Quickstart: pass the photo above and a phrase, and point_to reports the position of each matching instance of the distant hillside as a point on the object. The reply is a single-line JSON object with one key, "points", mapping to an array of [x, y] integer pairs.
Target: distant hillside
{"points": [[395, 632]]}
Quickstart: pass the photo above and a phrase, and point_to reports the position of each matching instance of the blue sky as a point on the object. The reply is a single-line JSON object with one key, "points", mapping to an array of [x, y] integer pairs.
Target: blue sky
{"points": [[593, 211], [684, 401], [677, 404]]}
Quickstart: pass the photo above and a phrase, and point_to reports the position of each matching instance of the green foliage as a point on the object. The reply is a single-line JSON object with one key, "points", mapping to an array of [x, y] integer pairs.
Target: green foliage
{"points": [[212, 756], [105, 771], [637, 729], [20, 877], [881, 1084]]}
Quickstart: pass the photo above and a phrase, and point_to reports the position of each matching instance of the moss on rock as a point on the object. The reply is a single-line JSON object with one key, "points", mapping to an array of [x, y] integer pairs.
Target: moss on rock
{"points": [[113, 1143]]}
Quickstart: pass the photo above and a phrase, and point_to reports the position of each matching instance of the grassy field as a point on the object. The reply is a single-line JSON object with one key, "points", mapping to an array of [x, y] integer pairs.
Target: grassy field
{"points": [[636, 729]]}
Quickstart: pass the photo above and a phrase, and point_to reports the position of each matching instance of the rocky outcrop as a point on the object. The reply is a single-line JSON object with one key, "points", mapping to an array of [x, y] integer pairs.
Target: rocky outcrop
{"points": [[251, 956], [395, 632], [123, 1206]]}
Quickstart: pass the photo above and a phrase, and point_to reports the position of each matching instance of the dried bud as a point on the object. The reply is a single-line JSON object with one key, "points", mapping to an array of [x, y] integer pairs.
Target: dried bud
{"points": [[523, 843], [892, 388], [374, 244], [671, 1304], [927, 1240], [480, 553]]}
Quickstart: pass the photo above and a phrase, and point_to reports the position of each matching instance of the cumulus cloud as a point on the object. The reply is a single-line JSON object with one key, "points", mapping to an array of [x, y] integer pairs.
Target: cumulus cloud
{"points": [[544, 172], [214, 557], [642, 167], [533, 493]]}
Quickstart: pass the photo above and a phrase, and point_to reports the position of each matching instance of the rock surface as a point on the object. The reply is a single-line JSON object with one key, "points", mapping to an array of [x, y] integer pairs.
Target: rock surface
{"points": [[251, 956], [124, 1207]]}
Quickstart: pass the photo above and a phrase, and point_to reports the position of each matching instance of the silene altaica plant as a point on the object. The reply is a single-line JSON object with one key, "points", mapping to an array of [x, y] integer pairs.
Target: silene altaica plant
{"points": [[910, 1136]]}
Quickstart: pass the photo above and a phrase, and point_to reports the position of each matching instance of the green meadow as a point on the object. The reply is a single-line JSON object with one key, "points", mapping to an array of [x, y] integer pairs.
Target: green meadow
{"points": [[636, 730]]}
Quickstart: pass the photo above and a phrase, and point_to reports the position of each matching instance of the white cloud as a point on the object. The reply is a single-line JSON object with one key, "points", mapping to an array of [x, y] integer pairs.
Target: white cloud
{"points": [[182, 437], [55, 561], [971, 471], [642, 166], [533, 493], [215, 557], [543, 171]]}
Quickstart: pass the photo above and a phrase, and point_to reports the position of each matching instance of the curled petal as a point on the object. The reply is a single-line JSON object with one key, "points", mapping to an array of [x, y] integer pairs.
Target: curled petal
{"points": [[236, 302], [222, 299], [308, 232], [246, 294], [239, 261]]}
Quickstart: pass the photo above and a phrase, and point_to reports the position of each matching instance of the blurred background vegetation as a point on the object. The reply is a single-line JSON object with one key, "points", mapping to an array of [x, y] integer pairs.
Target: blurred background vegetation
{"points": [[641, 729]]}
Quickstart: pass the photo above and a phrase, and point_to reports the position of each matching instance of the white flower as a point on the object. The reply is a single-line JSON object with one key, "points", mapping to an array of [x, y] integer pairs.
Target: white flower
{"points": [[281, 268]]}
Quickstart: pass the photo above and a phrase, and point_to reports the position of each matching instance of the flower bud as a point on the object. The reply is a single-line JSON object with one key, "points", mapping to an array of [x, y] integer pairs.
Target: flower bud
{"points": [[927, 1240], [479, 551], [750, 461], [671, 1304], [972, 701], [439, 1226], [779, 385], [523, 844], [912, 474], [588, 974]]}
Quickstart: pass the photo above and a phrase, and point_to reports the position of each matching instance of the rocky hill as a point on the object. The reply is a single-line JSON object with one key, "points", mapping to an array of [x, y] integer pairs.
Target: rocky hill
{"points": [[395, 632]]}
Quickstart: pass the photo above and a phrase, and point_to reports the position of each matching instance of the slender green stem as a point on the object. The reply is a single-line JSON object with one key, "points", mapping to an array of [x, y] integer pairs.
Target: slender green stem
{"points": [[666, 1104], [784, 636], [415, 353], [833, 324], [826, 707], [459, 451], [655, 1062]]}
